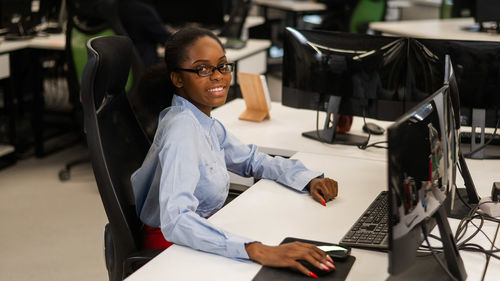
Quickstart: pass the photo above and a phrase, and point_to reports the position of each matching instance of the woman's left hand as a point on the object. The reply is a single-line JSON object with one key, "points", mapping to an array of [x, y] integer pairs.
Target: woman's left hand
{"points": [[323, 189]]}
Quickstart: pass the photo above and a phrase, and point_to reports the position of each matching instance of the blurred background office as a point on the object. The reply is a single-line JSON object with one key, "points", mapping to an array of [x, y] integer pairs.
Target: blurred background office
{"points": [[53, 226]]}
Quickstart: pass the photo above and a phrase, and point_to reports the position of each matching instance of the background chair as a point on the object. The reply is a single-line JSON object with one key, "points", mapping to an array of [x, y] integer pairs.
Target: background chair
{"points": [[86, 20], [366, 11], [117, 146]]}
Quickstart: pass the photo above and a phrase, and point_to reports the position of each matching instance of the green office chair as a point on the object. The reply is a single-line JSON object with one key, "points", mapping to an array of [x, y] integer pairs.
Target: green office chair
{"points": [[79, 30], [366, 11], [445, 11]]}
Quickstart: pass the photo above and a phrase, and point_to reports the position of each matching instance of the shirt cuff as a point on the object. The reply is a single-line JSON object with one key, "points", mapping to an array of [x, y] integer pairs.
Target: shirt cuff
{"points": [[303, 178], [235, 246]]}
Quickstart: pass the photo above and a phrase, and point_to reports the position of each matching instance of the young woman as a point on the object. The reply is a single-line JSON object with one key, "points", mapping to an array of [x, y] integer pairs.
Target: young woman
{"points": [[184, 177]]}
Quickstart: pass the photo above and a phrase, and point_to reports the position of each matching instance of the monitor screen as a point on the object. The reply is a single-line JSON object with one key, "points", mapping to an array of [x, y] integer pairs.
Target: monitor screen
{"points": [[366, 71], [420, 177], [463, 8], [19, 17], [206, 13], [487, 10], [417, 169], [477, 72]]}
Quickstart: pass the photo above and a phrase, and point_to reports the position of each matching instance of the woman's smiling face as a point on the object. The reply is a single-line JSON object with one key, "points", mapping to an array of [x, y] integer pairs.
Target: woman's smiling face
{"points": [[203, 92]]}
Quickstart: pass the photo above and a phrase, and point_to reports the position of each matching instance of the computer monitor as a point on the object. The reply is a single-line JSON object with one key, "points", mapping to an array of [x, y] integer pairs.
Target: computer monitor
{"points": [[233, 28], [209, 14], [53, 15], [19, 18], [458, 209], [488, 11], [477, 72], [422, 158], [343, 73], [463, 8]]}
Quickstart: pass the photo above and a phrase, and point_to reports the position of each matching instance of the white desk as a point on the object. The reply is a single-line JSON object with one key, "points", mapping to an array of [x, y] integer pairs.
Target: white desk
{"points": [[259, 213], [451, 29], [50, 42], [291, 5], [281, 134], [263, 213]]}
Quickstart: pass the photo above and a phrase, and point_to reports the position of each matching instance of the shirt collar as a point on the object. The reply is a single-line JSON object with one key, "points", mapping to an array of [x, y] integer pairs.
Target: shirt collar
{"points": [[205, 121]]}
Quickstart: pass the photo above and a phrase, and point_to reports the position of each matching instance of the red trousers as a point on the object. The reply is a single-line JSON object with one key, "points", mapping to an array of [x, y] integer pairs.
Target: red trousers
{"points": [[153, 239]]}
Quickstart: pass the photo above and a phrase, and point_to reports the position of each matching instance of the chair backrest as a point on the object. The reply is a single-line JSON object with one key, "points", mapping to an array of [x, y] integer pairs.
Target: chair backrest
{"points": [[233, 28], [366, 11], [88, 19], [446, 9], [116, 142]]}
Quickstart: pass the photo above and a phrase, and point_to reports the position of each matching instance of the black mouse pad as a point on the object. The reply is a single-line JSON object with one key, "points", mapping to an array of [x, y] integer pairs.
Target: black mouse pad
{"points": [[342, 268]]}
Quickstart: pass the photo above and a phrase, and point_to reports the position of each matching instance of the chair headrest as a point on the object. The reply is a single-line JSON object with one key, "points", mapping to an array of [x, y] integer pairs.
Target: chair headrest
{"points": [[113, 55]]}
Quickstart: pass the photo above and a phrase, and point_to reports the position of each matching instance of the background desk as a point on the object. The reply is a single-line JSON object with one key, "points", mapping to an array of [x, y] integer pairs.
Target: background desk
{"points": [[291, 5], [293, 9], [252, 58], [51, 42], [451, 29], [269, 212]]}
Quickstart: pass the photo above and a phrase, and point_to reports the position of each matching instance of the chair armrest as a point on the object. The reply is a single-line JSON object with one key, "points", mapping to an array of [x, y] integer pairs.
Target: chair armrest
{"points": [[138, 259]]}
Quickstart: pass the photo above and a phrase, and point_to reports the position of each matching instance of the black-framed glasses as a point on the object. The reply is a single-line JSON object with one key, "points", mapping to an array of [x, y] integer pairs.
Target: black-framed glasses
{"points": [[207, 70]]}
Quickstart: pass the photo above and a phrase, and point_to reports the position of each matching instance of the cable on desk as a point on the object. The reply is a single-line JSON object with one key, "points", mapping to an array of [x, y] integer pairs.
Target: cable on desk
{"points": [[375, 144], [460, 234]]}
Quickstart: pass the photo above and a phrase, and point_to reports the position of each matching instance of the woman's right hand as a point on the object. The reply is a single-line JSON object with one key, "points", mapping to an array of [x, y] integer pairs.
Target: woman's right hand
{"points": [[287, 255]]}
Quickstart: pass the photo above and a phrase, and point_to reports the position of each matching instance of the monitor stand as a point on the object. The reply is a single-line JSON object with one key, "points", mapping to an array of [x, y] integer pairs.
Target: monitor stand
{"points": [[19, 34], [329, 133], [458, 210], [427, 268], [477, 139]]}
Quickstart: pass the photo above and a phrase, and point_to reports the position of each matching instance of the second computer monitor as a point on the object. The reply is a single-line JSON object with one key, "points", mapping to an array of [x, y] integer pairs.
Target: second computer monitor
{"points": [[422, 159], [477, 70], [19, 17], [367, 72]]}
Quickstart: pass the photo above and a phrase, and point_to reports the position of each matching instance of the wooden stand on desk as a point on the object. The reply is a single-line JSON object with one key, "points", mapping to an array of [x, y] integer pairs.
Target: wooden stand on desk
{"points": [[253, 90]]}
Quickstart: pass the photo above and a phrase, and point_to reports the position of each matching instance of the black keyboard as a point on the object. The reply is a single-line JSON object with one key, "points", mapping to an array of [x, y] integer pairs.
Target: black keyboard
{"points": [[371, 229], [465, 137]]}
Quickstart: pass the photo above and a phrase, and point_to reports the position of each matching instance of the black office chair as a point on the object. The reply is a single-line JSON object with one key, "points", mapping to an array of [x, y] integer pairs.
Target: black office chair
{"points": [[117, 146], [86, 20]]}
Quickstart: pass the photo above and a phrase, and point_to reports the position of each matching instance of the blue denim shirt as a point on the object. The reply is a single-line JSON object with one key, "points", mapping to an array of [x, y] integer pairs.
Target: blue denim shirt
{"points": [[184, 178]]}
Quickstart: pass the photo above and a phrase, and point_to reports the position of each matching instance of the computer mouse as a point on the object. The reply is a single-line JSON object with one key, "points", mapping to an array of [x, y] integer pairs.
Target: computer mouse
{"points": [[372, 128], [315, 270]]}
